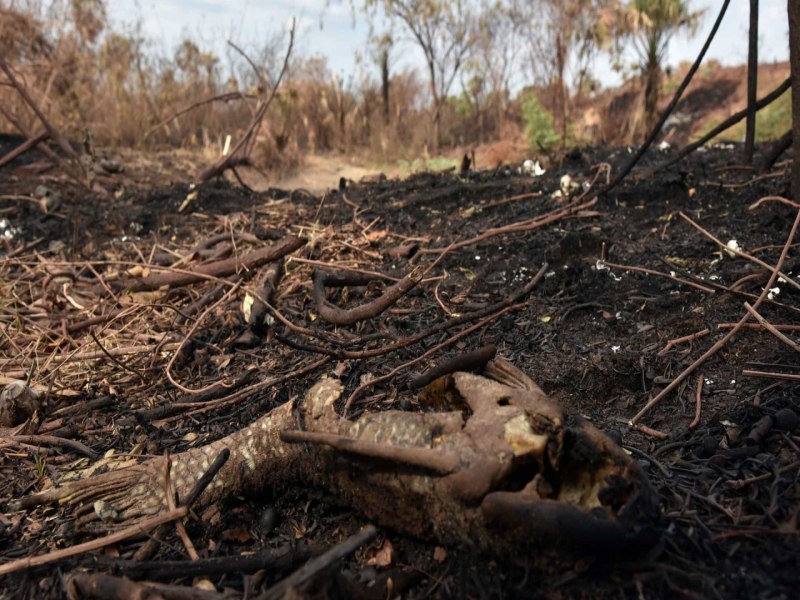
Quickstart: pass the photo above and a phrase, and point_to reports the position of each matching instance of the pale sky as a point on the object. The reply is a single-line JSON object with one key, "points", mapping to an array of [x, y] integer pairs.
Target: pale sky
{"points": [[329, 28]]}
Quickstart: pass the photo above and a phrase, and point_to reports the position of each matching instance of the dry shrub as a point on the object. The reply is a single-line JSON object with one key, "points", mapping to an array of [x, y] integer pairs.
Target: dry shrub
{"points": [[90, 76]]}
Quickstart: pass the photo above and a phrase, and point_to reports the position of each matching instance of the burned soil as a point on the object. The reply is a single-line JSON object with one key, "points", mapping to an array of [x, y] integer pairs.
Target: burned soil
{"points": [[137, 370]]}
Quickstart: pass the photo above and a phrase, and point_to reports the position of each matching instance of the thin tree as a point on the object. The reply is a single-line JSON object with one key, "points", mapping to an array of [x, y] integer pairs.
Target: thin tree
{"points": [[493, 60], [444, 31], [563, 37], [653, 23], [752, 83], [793, 7]]}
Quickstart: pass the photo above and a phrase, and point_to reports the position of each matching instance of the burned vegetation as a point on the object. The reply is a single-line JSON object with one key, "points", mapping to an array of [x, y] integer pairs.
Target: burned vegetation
{"points": [[578, 381], [452, 384]]}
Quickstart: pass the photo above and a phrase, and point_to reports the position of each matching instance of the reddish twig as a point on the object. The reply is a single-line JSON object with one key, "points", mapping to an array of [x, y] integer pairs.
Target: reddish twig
{"points": [[517, 227], [779, 199], [769, 327], [738, 252], [697, 286], [115, 360], [192, 329], [715, 348], [770, 375], [698, 394], [686, 338], [138, 529], [571, 209]]}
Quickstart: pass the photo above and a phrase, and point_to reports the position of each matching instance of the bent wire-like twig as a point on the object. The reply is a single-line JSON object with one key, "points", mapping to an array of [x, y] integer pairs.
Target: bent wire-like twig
{"points": [[340, 316]]}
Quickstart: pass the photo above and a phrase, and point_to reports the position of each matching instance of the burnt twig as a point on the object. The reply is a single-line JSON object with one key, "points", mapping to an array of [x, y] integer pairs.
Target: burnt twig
{"points": [[221, 268], [320, 564], [719, 344], [469, 361], [340, 316], [725, 125], [239, 153]]}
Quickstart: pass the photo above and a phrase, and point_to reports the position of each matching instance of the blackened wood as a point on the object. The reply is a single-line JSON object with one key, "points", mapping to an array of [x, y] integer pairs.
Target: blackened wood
{"points": [[752, 83], [794, 62]]}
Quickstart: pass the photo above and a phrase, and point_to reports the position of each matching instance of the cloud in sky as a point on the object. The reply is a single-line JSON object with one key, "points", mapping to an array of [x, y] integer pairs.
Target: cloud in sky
{"points": [[330, 28]]}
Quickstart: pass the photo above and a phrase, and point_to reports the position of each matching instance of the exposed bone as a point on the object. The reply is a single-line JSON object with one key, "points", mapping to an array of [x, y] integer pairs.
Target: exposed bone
{"points": [[502, 473]]}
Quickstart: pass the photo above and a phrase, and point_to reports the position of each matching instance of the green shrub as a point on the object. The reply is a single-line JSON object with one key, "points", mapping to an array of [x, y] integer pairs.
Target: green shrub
{"points": [[539, 125]]}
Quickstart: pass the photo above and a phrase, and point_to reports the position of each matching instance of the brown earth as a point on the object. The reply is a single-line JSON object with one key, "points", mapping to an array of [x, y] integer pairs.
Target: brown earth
{"points": [[714, 94], [593, 338]]}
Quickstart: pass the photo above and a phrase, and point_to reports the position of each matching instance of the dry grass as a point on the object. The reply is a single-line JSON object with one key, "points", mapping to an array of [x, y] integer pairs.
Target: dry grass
{"points": [[88, 76]]}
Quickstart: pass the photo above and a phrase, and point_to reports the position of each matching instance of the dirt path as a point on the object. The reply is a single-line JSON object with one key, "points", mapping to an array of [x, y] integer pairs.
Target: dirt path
{"points": [[318, 174]]}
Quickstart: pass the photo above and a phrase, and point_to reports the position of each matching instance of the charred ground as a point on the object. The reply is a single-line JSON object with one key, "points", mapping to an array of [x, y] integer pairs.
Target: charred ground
{"points": [[591, 337]]}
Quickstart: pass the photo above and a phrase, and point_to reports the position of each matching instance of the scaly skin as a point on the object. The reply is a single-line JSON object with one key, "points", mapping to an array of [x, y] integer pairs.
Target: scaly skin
{"points": [[438, 475]]}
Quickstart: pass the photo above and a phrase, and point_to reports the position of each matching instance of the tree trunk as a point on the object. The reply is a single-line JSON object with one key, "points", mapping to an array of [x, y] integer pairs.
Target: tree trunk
{"points": [[652, 85], [562, 91], [385, 84], [752, 83], [437, 108], [794, 60], [437, 128]]}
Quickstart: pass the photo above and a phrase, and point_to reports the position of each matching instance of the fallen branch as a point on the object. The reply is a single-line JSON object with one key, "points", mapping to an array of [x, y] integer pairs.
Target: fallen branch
{"points": [[23, 148], [239, 153], [320, 564], [221, 268], [339, 316]]}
